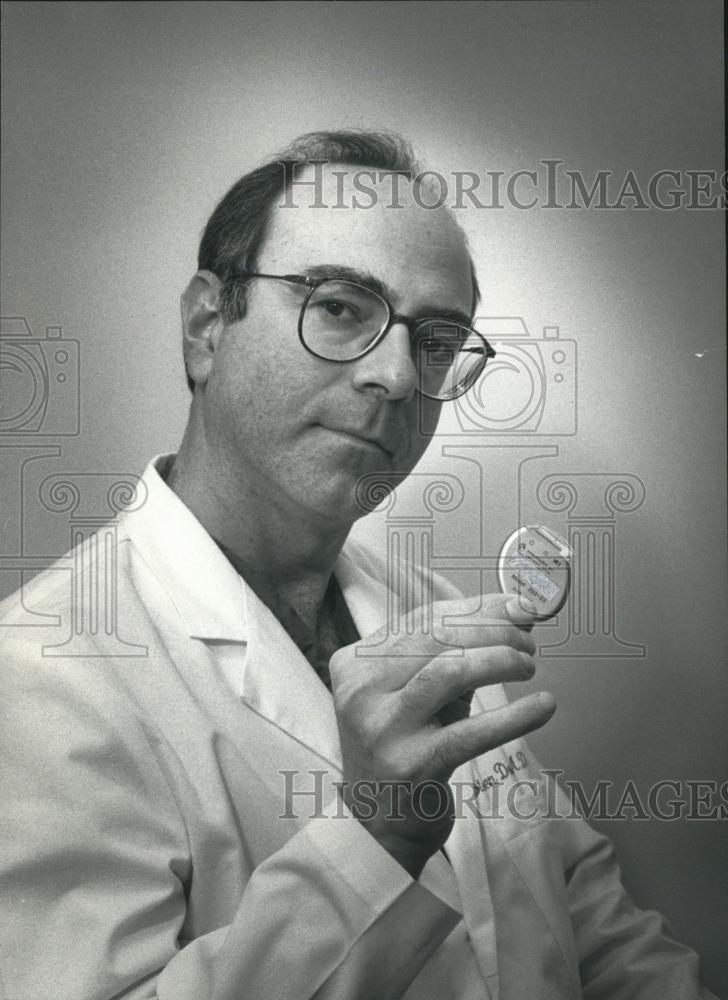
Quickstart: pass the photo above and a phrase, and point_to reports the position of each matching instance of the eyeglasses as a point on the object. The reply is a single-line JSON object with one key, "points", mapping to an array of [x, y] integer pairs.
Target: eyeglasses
{"points": [[342, 320]]}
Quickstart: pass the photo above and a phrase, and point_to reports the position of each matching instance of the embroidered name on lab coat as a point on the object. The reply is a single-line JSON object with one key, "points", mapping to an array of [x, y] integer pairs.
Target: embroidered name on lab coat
{"points": [[502, 771]]}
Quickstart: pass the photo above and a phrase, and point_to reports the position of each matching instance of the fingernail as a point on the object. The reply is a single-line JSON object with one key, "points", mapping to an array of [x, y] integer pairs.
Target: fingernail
{"points": [[521, 605]]}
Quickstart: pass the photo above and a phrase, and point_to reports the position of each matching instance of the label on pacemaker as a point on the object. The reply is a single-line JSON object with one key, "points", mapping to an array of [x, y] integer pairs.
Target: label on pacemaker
{"points": [[535, 563]]}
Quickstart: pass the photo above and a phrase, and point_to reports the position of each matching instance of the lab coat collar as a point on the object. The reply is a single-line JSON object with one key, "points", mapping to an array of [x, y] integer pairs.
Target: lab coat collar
{"points": [[201, 583], [216, 604]]}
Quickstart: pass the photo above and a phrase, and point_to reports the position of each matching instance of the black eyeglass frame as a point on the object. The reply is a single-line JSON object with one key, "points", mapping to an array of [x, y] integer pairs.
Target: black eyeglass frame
{"points": [[412, 324]]}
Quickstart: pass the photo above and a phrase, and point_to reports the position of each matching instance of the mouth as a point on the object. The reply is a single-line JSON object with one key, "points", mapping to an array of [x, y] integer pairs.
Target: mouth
{"points": [[369, 443]]}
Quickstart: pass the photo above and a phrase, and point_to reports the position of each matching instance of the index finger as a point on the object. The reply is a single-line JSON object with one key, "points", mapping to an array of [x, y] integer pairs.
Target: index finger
{"points": [[488, 619], [403, 647]]}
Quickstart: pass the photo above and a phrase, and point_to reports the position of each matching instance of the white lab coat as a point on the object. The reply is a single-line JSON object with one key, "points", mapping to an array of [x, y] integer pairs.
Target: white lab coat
{"points": [[144, 854]]}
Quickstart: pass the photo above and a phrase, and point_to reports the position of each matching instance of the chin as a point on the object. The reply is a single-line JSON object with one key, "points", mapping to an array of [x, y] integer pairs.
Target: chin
{"points": [[342, 509], [339, 509], [345, 492]]}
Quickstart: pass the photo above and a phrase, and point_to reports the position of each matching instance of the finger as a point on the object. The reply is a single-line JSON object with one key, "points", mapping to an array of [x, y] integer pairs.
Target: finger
{"points": [[501, 605], [521, 611], [399, 663], [471, 622], [463, 741], [492, 632], [447, 677], [398, 654]]}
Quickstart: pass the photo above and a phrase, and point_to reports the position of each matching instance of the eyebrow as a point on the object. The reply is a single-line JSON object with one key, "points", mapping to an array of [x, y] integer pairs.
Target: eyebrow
{"points": [[383, 289]]}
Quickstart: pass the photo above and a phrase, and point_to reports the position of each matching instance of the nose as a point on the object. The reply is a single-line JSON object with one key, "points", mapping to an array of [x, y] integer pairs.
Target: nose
{"points": [[389, 370]]}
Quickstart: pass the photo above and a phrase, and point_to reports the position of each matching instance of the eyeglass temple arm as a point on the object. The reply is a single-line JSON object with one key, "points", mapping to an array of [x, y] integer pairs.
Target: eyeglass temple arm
{"points": [[297, 279]]}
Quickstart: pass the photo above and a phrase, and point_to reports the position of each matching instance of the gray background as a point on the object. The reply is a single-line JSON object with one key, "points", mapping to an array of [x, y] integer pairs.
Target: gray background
{"points": [[124, 123]]}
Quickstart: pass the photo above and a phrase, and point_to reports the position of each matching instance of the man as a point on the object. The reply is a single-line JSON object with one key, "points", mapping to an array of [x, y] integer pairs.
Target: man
{"points": [[161, 843]]}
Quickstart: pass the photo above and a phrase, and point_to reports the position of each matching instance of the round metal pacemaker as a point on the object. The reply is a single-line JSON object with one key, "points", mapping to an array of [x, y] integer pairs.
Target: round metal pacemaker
{"points": [[535, 564]]}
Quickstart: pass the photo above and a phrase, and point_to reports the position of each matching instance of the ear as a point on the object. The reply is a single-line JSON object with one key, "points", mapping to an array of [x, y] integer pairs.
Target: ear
{"points": [[202, 325]]}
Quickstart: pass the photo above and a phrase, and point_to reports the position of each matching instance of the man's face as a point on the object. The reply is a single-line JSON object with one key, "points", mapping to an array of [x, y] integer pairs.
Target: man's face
{"points": [[307, 429]]}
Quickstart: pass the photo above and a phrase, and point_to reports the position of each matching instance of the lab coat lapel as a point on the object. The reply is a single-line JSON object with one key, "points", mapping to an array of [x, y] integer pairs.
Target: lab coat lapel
{"points": [[367, 597], [280, 684], [278, 681]]}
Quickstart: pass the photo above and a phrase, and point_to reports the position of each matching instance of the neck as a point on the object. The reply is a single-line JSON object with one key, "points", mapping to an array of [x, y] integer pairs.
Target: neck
{"points": [[284, 549]]}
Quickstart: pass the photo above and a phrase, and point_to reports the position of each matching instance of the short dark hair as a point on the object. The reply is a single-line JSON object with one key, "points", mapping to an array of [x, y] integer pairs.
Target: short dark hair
{"points": [[235, 233]]}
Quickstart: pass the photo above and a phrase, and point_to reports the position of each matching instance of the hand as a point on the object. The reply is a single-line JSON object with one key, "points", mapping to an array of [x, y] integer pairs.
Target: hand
{"points": [[404, 716]]}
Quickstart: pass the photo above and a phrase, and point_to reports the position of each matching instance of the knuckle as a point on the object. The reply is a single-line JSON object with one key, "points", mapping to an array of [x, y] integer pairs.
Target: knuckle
{"points": [[441, 632], [521, 640], [501, 657], [425, 682], [373, 723], [510, 661], [452, 751], [346, 715], [393, 764], [442, 754], [338, 662], [351, 706], [515, 655], [522, 664], [453, 670], [529, 664], [447, 607]]}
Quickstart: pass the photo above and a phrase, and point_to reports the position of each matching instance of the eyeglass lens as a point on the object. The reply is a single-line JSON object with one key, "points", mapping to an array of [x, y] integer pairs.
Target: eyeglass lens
{"points": [[342, 319]]}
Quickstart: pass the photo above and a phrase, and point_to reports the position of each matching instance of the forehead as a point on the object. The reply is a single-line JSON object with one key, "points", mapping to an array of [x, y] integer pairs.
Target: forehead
{"points": [[420, 253]]}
